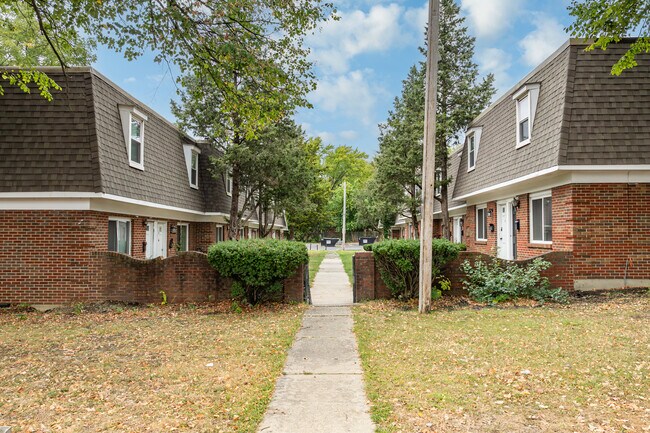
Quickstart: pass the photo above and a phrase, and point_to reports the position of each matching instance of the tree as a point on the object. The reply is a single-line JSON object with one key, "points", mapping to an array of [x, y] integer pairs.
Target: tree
{"points": [[371, 211], [277, 174], [461, 96], [607, 21], [23, 44], [202, 38]]}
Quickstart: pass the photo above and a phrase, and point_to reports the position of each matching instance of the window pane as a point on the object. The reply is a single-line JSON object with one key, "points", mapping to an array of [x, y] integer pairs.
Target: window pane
{"points": [[112, 236], [195, 160], [193, 176], [523, 130], [524, 109], [122, 237], [472, 152], [136, 129], [537, 220], [548, 220], [182, 238], [480, 224], [135, 151]]}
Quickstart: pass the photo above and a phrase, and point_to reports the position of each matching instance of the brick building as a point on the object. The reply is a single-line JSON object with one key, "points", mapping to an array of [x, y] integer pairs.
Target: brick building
{"points": [[561, 162], [95, 170]]}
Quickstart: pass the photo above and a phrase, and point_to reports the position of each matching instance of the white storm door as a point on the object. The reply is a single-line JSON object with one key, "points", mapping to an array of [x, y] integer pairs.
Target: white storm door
{"points": [[149, 240], [504, 230], [458, 230], [160, 244]]}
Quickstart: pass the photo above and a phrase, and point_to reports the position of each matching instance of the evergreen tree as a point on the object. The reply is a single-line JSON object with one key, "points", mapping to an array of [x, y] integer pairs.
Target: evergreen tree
{"points": [[461, 96]]}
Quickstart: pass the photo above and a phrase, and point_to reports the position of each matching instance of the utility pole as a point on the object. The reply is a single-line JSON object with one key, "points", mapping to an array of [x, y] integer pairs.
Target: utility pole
{"points": [[429, 158], [344, 210]]}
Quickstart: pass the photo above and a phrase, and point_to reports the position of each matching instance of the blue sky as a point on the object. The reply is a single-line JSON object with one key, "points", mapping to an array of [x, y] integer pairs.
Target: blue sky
{"points": [[361, 60]]}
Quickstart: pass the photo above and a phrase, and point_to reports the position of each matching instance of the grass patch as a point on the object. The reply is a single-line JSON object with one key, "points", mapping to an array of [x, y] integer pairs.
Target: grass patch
{"points": [[191, 368], [315, 259], [346, 258], [581, 367]]}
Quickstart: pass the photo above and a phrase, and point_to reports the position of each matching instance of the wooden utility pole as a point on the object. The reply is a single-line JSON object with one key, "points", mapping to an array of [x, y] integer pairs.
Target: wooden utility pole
{"points": [[429, 158]]}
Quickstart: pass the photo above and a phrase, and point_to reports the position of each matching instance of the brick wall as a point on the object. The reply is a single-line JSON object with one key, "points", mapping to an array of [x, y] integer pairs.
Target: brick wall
{"points": [[58, 257], [369, 285]]}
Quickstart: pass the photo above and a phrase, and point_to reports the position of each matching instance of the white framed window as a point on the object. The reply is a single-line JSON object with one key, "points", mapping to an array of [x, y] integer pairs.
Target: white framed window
{"points": [[471, 152], [183, 239], [228, 184], [438, 188], [526, 104], [481, 223], [219, 237], [241, 233], [192, 153], [133, 122], [119, 235], [541, 218]]}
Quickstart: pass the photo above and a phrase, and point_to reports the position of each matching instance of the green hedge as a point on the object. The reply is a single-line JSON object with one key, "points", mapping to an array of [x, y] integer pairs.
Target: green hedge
{"points": [[398, 262], [257, 266]]}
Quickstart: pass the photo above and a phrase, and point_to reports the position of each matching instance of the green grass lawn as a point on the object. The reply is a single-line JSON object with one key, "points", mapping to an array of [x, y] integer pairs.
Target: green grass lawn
{"points": [[158, 369], [584, 367], [346, 258], [315, 259]]}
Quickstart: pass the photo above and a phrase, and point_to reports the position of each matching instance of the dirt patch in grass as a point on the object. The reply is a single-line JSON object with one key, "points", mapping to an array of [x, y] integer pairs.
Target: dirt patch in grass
{"points": [[583, 367], [198, 368]]}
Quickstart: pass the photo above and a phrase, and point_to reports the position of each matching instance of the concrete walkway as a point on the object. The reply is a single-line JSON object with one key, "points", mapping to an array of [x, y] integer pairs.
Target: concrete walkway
{"points": [[321, 389]]}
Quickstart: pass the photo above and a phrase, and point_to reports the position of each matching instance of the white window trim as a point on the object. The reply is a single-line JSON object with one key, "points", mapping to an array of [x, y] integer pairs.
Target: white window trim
{"points": [[438, 178], [127, 112], [178, 233], [479, 207], [125, 220], [188, 151], [476, 132], [532, 91], [228, 185], [537, 196]]}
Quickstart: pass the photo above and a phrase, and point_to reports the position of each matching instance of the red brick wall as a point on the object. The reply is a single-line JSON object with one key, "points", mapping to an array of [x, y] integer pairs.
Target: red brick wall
{"points": [[57, 257], [369, 285], [469, 238], [612, 227]]}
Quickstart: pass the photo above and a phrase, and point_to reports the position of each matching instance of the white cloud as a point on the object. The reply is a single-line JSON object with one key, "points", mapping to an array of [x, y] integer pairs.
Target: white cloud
{"points": [[349, 94], [547, 37], [130, 80], [490, 17], [356, 33], [156, 78], [498, 62], [349, 135], [417, 19]]}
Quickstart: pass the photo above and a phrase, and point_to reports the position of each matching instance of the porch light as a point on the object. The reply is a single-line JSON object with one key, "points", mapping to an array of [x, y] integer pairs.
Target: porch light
{"points": [[172, 229]]}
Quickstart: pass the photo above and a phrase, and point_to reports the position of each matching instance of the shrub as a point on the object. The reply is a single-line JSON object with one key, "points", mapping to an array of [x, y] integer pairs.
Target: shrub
{"points": [[257, 266], [495, 281], [398, 262]]}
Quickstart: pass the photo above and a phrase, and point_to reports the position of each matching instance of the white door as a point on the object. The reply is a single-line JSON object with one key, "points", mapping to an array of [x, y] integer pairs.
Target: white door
{"points": [[156, 239], [504, 230], [458, 230]]}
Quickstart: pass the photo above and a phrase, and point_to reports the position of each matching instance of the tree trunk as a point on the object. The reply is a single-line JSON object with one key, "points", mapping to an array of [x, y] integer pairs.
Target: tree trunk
{"points": [[233, 227], [414, 219]]}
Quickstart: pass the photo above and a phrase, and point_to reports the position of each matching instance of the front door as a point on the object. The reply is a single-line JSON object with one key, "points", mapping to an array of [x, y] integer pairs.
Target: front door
{"points": [[458, 229], [504, 231], [156, 239]]}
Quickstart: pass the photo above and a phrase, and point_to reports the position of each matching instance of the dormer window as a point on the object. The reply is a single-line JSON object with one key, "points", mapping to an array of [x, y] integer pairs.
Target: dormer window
{"points": [[228, 184], [471, 146], [473, 140], [192, 163], [133, 122], [526, 100], [135, 149], [438, 187]]}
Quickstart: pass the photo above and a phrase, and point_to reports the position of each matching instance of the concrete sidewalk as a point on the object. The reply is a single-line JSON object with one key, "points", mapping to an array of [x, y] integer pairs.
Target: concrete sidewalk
{"points": [[321, 389]]}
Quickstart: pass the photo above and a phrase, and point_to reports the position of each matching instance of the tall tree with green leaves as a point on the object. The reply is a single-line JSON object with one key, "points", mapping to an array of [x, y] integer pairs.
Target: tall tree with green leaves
{"points": [[608, 21], [202, 38], [461, 96], [23, 45]]}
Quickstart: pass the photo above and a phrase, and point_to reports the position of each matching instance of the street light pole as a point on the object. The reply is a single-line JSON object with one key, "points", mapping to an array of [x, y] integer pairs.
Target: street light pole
{"points": [[344, 211], [429, 158]]}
